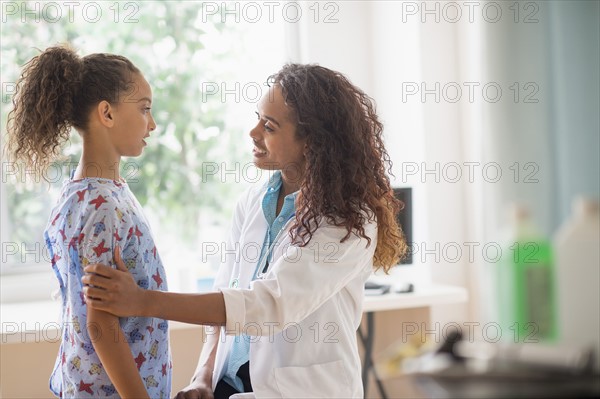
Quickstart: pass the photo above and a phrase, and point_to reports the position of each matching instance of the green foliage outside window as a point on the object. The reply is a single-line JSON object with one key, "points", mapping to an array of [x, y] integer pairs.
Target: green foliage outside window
{"points": [[196, 163]]}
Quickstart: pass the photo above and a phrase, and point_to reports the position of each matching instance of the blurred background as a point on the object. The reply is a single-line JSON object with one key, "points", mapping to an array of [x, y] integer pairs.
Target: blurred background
{"points": [[491, 114]]}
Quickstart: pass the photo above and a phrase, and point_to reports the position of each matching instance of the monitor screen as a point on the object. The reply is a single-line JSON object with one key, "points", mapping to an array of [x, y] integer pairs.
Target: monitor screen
{"points": [[404, 194]]}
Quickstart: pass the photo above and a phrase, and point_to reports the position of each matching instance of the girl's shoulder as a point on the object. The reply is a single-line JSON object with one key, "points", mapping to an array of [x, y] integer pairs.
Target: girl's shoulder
{"points": [[94, 191], [90, 198]]}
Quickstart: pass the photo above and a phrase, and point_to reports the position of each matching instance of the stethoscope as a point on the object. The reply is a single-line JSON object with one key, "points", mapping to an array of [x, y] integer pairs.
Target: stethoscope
{"points": [[263, 262]]}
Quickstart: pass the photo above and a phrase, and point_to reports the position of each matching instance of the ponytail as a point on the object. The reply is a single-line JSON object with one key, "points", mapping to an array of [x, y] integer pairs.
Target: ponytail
{"points": [[56, 91], [43, 106]]}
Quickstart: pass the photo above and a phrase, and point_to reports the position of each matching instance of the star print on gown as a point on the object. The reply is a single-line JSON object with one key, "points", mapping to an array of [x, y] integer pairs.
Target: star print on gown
{"points": [[83, 387], [98, 201], [80, 195]]}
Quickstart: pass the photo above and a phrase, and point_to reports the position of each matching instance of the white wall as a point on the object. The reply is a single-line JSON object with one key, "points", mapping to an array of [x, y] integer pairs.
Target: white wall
{"points": [[338, 37], [396, 59]]}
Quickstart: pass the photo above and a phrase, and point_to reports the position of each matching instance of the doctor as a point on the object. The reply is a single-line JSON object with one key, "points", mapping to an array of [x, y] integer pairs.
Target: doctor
{"points": [[283, 323]]}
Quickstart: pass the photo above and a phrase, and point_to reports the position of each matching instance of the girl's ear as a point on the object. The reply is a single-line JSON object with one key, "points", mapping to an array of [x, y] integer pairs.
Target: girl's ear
{"points": [[104, 112]]}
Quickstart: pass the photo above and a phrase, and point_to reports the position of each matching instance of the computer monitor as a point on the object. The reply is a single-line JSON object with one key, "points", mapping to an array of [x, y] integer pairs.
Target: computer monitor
{"points": [[404, 194]]}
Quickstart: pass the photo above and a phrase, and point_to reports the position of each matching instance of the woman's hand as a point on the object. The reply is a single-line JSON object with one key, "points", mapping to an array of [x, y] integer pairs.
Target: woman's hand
{"points": [[113, 291], [199, 388]]}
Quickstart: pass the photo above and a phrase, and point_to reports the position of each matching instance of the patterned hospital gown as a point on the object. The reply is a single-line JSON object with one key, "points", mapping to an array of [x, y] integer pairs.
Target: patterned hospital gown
{"points": [[92, 216]]}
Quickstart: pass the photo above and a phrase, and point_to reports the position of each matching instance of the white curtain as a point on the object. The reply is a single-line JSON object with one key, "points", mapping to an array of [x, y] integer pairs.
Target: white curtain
{"points": [[548, 139]]}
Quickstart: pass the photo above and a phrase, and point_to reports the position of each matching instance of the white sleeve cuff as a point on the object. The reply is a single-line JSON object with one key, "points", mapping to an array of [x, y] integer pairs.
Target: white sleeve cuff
{"points": [[235, 310]]}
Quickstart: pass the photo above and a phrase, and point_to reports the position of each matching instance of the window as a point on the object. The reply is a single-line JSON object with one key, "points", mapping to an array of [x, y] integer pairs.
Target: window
{"points": [[207, 63]]}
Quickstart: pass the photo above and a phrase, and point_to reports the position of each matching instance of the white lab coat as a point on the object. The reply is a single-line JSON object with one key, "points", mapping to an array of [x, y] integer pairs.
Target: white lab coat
{"points": [[302, 315]]}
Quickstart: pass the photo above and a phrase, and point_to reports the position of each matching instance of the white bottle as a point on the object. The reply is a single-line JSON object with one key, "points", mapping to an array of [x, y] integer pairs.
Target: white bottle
{"points": [[577, 246]]}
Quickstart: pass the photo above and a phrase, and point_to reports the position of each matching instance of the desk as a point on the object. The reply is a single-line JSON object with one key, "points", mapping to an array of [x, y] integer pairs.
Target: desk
{"points": [[431, 296]]}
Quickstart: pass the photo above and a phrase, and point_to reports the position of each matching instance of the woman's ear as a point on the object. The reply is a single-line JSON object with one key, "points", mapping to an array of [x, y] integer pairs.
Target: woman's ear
{"points": [[104, 112]]}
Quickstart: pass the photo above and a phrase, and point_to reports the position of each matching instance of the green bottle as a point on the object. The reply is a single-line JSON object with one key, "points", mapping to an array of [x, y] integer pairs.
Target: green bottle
{"points": [[526, 286]]}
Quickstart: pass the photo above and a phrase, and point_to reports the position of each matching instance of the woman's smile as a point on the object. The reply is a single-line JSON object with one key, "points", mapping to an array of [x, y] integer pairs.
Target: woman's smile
{"points": [[258, 152]]}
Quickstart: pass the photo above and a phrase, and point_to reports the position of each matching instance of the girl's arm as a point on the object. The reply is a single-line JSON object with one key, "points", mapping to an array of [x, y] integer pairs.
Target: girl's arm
{"points": [[114, 353], [126, 298]]}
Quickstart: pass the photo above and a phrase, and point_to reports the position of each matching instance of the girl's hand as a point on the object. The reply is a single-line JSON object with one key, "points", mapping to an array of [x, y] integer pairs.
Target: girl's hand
{"points": [[113, 291]]}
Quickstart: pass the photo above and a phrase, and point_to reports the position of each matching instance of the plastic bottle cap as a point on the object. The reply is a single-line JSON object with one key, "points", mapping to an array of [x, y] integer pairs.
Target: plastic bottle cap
{"points": [[583, 206], [518, 212]]}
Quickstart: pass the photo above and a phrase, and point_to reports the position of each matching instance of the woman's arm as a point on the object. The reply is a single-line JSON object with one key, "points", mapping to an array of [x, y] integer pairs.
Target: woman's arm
{"points": [[114, 353], [126, 298], [206, 309], [308, 276]]}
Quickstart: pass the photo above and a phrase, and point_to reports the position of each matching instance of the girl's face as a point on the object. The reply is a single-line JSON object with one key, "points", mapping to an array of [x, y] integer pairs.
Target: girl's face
{"points": [[133, 120], [275, 144]]}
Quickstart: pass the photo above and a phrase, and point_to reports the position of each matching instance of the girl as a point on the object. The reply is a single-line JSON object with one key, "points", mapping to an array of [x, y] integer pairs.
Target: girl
{"points": [[324, 220], [107, 100]]}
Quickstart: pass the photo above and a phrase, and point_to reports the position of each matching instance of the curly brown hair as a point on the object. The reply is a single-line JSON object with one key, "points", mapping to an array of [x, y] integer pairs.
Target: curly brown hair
{"points": [[345, 178], [57, 90]]}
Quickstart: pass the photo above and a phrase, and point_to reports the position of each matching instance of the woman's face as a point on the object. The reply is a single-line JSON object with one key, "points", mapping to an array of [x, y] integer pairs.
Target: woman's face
{"points": [[274, 137]]}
